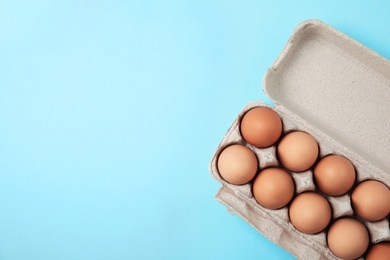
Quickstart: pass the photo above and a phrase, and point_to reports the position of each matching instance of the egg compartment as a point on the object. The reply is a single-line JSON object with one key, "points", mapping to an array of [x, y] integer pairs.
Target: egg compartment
{"points": [[309, 58], [277, 226]]}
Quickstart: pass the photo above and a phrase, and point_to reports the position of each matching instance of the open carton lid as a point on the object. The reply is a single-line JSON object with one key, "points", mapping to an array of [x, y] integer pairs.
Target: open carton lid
{"points": [[338, 86]]}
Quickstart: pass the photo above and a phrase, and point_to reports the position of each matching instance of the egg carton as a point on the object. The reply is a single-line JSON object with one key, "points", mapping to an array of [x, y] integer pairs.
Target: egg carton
{"points": [[337, 90]]}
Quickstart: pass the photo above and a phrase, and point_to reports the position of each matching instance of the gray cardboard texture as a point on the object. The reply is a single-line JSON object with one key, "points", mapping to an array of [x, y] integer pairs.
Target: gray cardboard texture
{"points": [[337, 90]]}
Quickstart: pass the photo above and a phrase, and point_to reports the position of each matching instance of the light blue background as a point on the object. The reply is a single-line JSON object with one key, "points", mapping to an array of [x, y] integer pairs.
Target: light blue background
{"points": [[110, 112]]}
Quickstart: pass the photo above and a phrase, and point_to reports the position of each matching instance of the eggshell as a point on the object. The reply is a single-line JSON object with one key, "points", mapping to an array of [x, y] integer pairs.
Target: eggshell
{"points": [[297, 151], [261, 127], [379, 251], [310, 212], [237, 164], [334, 175], [273, 188], [348, 238], [371, 200]]}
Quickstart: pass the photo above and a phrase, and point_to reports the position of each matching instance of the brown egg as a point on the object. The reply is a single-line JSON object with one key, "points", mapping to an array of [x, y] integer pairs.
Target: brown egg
{"points": [[348, 238], [310, 213], [297, 151], [334, 175], [261, 127], [379, 251], [371, 200], [237, 164], [273, 188]]}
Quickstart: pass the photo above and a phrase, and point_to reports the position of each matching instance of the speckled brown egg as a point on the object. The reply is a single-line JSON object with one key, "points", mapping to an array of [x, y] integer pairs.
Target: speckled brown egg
{"points": [[261, 127], [348, 238], [334, 175], [297, 151], [379, 251], [371, 200], [273, 188], [237, 164], [310, 212]]}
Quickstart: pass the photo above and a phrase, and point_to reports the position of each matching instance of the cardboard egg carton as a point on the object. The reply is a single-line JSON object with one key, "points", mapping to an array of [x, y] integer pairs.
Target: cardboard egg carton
{"points": [[337, 90]]}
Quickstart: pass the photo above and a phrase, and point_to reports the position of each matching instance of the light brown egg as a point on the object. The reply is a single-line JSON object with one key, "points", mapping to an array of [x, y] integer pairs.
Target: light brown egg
{"points": [[237, 164], [334, 175], [348, 238], [261, 127], [379, 251], [371, 200], [310, 213], [297, 151], [273, 188]]}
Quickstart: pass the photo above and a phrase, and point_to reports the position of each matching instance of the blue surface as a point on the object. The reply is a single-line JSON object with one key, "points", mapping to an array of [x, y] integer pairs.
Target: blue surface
{"points": [[110, 112]]}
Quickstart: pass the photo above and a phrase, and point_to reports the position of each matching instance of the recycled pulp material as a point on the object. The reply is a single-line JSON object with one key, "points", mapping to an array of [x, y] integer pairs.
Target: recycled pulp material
{"points": [[337, 90]]}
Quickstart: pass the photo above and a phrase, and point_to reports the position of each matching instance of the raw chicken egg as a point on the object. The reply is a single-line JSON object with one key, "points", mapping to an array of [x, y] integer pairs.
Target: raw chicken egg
{"points": [[297, 151], [334, 175], [379, 251], [273, 188], [237, 164], [348, 238], [371, 200], [310, 213], [261, 127]]}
